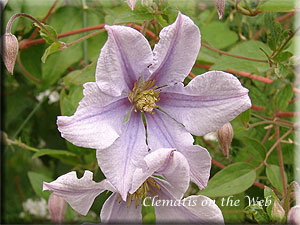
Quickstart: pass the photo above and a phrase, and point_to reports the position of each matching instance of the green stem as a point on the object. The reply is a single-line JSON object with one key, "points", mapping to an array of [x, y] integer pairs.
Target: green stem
{"points": [[21, 144], [286, 42], [29, 116], [11, 20], [84, 38]]}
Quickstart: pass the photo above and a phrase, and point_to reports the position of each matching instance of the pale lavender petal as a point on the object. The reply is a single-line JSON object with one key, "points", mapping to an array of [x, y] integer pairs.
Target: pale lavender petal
{"points": [[294, 215], [97, 121], [131, 4], [176, 51], [79, 193], [193, 209], [114, 210], [124, 58], [164, 131], [220, 4], [169, 164], [119, 161], [208, 102]]}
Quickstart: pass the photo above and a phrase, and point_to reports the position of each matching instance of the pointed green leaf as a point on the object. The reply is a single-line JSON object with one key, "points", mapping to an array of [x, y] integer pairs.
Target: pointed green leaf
{"points": [[232, 180], [257, 213], [54, 47], [36, 180], [45, 35], [274, 176]]}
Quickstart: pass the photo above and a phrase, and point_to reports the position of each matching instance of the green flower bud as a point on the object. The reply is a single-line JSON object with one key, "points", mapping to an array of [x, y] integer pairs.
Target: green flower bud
{"points": [[278, 212], [147, 3]]}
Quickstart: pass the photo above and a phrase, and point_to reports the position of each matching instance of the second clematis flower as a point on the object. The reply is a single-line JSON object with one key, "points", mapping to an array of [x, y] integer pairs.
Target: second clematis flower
{"points": [[136, 86], [161, 185]]}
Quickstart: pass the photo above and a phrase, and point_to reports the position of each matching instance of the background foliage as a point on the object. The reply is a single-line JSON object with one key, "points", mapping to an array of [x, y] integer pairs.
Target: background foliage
{"points": [[255, 41]]}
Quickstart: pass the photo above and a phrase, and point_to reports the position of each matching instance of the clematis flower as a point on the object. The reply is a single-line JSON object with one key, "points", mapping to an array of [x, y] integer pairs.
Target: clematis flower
{"points": [[133, 82], [164, 194]]}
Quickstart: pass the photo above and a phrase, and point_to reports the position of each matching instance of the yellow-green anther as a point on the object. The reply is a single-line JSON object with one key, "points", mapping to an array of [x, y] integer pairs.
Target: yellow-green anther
{"points": [[143, 191], [144, 96]]}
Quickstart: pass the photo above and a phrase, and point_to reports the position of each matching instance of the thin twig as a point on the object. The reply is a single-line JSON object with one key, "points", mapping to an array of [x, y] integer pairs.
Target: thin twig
{"points": [[233, 55], [25, 71], [34, 33], [273, 147], [281, 161]]}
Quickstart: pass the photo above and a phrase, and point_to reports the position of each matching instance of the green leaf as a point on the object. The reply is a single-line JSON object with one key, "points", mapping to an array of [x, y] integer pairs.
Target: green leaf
{"points": [[247, 49], [232, 180], [69, 102], [245, 117], [119, 15], [47, 33], [52, 152], [57, 64], [278, 6], [283, 96], [234, 206], [256, 150], [79, 77], [211, 34], [270, 198], [283, 56], [257, 213], [54, 47], [36, 180], [274, 176]]}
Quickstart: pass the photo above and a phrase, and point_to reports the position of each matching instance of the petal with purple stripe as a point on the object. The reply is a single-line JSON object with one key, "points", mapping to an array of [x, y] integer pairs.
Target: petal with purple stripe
{"points": [[119, 161], [176, 51], [164, 131], [193, 209], [124, 58], [97, 121], [79, 193], [209, 101], [114, 210]]}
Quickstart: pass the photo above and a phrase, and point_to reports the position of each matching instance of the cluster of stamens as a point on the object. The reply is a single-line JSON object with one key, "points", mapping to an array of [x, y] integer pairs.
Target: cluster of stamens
{"points": [[148, 186], [144, 96]]}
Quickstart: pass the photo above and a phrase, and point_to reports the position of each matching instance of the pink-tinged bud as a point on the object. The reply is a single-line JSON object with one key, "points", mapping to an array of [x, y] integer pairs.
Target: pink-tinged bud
{"points": [[131, 4], [9, 51], [278, 212], [57, 208], [294, 215], [220, 4], [225, 135]]}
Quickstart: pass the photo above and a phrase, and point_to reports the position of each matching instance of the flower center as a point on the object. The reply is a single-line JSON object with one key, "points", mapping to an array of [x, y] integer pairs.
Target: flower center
{"points": [[148, 186], [144, 96]]}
